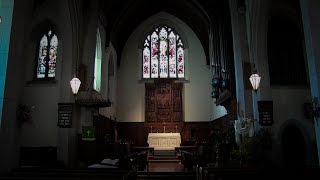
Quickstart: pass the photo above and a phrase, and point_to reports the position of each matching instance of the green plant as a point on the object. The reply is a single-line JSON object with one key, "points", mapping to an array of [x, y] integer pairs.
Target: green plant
{"points": [[254, 150], [221, 135]]}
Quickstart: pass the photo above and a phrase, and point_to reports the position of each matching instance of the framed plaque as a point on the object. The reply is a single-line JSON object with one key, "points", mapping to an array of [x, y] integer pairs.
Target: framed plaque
{"points": [[65, 115], [265, 109]]}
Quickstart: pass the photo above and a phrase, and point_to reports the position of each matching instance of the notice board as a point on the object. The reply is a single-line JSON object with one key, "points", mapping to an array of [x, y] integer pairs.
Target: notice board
{"points": [[65, 115], [265, 109]]}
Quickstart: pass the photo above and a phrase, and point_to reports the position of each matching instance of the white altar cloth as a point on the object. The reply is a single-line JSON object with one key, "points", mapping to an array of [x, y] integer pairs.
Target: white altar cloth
{"points": [[164, 141]]}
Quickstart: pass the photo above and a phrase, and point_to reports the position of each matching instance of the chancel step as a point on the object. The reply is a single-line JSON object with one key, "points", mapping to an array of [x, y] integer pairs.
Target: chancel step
{"points": [[166, 175], [164, 153]]}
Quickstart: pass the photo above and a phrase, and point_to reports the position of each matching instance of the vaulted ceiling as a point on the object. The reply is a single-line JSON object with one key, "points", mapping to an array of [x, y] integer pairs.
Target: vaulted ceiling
{"points": [[122, 17]]}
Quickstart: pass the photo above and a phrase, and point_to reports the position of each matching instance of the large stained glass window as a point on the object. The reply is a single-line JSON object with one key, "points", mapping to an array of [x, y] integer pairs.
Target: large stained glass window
{"points": [[163, 54], [47, 59], [97, 64]]}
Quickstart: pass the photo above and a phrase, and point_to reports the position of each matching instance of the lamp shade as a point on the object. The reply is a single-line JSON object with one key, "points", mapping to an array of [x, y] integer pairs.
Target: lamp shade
{"points": [[255, 81], [75, 84]]}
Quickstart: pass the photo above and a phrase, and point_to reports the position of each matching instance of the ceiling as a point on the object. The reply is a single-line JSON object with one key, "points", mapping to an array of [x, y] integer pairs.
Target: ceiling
{"points": [[122, 17]]}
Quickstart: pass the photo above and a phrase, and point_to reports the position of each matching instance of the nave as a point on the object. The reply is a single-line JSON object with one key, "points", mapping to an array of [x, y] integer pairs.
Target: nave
{"points": [[164, 165]]}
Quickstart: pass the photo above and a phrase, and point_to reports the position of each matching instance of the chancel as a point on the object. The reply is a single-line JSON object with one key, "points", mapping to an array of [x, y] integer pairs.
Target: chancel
{"points": [[219, 89]]}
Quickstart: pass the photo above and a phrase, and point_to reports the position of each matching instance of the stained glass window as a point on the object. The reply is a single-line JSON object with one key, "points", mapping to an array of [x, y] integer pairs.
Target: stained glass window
{"points": [[47, 58], [163, 54], [97, 64]]}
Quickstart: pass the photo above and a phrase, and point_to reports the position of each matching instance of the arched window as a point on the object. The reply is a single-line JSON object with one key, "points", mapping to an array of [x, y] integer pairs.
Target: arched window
{"points": [[163, 54], [97, 64], [47, 59]]}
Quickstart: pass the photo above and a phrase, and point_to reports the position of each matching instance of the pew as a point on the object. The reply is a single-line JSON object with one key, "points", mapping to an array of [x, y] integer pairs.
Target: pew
{"points": [[127, 171], [252, 173], [81, 174], [36, 178], [187, 158]]}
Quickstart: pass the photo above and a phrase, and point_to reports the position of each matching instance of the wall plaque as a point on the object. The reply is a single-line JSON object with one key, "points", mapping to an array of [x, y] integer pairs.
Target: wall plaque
{"points": [[265, 109], [65, 115]]}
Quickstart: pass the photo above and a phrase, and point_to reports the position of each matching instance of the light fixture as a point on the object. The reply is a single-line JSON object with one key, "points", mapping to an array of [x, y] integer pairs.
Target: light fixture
{"points": [[255, 79], [75, 82], [0, 19], [75, 85]]}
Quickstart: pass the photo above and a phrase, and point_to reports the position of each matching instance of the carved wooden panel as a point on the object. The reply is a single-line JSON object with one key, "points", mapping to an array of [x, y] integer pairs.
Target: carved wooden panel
{"points": [[163, 101]]}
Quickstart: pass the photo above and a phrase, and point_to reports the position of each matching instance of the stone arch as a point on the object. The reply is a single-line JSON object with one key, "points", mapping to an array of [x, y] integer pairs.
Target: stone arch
{"points": [[162, 18], [294, 140], [45, 25]]}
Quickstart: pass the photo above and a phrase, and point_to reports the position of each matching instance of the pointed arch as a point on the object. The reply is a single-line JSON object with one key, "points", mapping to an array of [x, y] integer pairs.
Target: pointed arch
{"points": [[97, 63], [163, 54], [47, 56]]}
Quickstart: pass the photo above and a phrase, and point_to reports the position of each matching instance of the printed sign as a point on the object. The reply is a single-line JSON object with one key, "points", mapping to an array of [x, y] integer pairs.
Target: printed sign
{"points": [[265, 109], [65, 115]]}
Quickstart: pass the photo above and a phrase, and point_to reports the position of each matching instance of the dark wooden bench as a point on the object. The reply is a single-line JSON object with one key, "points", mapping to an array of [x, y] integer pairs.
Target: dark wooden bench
{"points": [[83, 174], [252, 173], [36, 178], [187, 158]]}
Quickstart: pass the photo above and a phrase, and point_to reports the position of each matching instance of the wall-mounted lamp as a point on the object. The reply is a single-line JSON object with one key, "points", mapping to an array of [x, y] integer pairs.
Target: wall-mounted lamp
{"points": [[0, 19], [255, 79]]}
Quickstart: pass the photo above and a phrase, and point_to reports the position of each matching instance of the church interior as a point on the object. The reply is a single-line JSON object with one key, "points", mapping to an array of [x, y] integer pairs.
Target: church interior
{"points": [[137, 89]]}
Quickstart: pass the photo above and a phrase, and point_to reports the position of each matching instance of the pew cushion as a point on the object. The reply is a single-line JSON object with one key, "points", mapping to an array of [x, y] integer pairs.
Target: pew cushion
{"points": [[113, 162], [99, 166]]}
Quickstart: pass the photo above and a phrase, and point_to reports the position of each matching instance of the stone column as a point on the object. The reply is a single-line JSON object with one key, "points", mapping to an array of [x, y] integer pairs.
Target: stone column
{"points": [[311, 26], [241, 57], [257, 25]]}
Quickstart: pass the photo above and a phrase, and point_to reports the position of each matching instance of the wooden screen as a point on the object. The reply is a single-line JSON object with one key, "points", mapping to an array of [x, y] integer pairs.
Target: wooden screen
{"points": [[163, 101]]}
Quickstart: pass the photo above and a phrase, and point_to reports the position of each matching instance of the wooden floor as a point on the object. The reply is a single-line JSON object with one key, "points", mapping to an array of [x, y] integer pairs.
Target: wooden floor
{"points": [[166, 167]]}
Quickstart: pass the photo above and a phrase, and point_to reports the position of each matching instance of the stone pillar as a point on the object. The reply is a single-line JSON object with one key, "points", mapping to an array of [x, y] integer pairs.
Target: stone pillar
{"points": [[257, 26], [311, 26], [6, 10], [12, 35], [241, 58]]}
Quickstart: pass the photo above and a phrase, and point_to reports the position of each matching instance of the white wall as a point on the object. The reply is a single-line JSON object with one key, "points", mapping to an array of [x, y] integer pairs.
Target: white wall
{"points": [[198, 104], [288, 104], [110, 91], [288, 109], [43, 130]]}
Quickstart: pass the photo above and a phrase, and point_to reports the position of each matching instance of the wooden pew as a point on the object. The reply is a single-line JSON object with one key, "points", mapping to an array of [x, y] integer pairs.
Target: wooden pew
{"points": [[82, 174], [251, 173], [229, 174], [36, 178], [187, 158]]}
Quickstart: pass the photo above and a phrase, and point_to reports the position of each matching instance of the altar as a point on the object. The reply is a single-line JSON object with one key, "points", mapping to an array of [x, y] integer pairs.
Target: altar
{"points": [[164, 141]]}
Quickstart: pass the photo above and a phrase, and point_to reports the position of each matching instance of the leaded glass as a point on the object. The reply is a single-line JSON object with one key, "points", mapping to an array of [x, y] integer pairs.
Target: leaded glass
{"points": [[47, 58], [42, 58], [154, 55], [180, 63], [172, 55], [146, 63], [53, 56], [160, 54], [163, 53], [97, 64]]}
